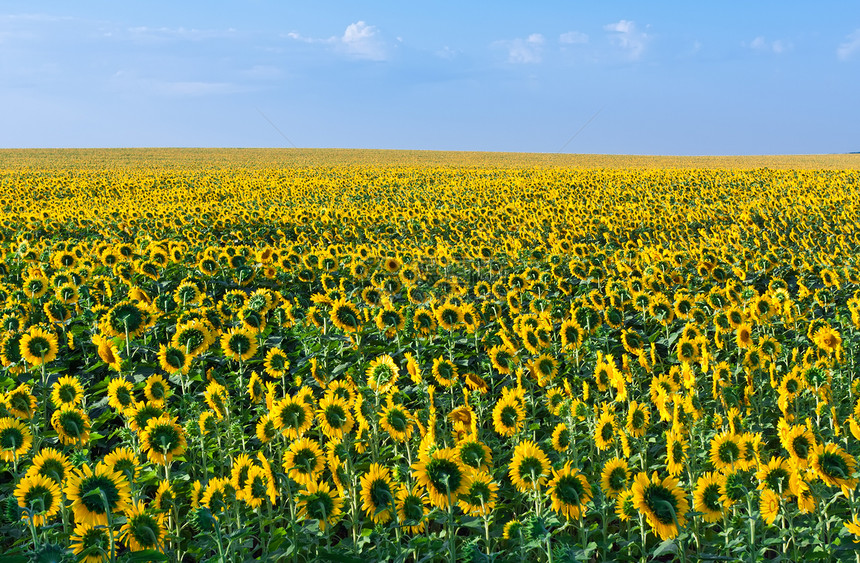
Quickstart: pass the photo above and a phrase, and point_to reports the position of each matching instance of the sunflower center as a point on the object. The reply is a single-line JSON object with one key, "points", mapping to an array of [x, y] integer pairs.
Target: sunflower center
{"points": [[380, 493], [164, 437], [413, 510], [305, 460], [335, 416], [11, 439], [569, 490], [97, 490], [833, 465], [728, 452], [508, 416], [617, 479], [397, 420], [711, 497], [472, 454], [319, 505], [530, 469], [661, 502], [72, 423], [444, 475]]}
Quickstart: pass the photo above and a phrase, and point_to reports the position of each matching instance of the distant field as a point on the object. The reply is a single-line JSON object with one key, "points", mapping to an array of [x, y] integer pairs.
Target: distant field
{"points": [[218, 158]]}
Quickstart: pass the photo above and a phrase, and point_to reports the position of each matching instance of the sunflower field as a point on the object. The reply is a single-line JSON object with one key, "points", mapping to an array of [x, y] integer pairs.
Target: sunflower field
{"points": [[428, 362]]}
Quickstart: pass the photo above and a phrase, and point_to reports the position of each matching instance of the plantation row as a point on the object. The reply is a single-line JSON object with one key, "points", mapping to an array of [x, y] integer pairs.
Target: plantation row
{"points": [[418, 363]]}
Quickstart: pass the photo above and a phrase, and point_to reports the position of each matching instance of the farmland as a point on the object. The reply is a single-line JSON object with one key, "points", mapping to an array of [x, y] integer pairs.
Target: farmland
{"points": [[223, 355]]}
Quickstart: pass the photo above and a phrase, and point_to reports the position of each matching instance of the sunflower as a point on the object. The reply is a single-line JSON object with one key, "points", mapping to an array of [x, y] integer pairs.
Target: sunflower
{"points": [[292, 416], [157, 389], [173, 359], [15, 439], [382, 374], [604, 431], [334, 417], [276, 363], [397, 421], [743, 335], [449, 316], [38, 346], [345, 316], [561, 437], [318, 502], [108, 352], [423, 321], [442, 475], [735, 487], [502, 359], [853, 526], [67, 391], [193, 336], [676, 452], [638, 417], [219, 495], [529, 466], [826, 338], [769, 506], [726, 451], [706, 496], [259, 487], [377, 495], [411, 508], [95, 492], [304, 461], [508, 415], [40, 496], [775, 475], [21, 403], [615, 477], [141, 413], [72, 425], [834, 466], [663, 503], [569, 491], [162, 439], [93, 540], [239, 344], [624, 505], [127, 319], [479, 497], [52, 464], [142, 530], [474, 453], [123, 461], [445, 371], [799, 442]]}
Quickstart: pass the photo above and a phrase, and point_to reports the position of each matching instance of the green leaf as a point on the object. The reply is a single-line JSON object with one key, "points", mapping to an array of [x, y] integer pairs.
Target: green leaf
{"points": [[667, 546]]}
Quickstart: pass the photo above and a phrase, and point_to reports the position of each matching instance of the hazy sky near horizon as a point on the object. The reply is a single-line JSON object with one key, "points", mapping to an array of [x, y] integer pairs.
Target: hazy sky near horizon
{"points": [[625, 77]]}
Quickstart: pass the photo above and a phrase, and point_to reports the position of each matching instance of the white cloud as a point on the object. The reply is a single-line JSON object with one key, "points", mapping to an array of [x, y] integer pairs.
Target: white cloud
{"points": [[359, 40], [573, 37], [777, 46], [524, 51], [849, 47], [362, 42], [625, 35]]}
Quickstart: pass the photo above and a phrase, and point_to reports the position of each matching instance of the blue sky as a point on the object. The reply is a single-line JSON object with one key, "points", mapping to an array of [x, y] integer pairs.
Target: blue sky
{"points": [[755, 77]]}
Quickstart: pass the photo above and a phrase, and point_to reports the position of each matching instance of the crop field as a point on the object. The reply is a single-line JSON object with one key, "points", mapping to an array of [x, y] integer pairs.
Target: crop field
{"points": [[297, 355]]}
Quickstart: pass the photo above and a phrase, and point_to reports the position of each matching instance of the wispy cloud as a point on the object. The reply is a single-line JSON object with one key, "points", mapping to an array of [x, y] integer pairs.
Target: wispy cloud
{"points": [[573, 38], [359, 41], [777, 46], [849, 47], [132, 82], [625, 35], [177, 33], [523, 51]]}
